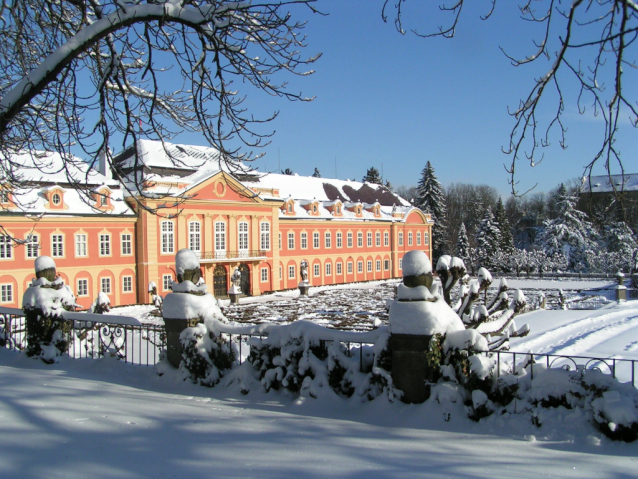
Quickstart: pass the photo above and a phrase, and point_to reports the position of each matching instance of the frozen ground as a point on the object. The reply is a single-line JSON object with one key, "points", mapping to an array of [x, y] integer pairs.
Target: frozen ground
{"points": [[106, 419]]}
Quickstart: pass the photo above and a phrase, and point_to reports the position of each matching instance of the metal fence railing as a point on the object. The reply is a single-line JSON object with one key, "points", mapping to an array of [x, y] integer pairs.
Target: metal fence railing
{"points": [[512, 362], [94, 336]]}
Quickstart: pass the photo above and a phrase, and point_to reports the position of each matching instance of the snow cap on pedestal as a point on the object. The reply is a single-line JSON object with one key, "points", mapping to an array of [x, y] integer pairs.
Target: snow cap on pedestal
{"points": [[44, 262], [416, 263], [187, 266]]}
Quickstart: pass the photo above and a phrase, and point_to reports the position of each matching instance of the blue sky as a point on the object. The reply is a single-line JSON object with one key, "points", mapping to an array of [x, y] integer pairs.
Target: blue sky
{"points": [[397, 101]]}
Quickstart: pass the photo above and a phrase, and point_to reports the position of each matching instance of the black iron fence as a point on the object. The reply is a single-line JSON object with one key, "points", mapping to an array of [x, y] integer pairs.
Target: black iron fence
{"points": [[94, 336], [511, 362]]}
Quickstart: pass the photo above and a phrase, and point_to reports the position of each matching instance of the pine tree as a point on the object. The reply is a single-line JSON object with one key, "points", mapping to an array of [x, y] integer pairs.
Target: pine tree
{"points": [[488, 240], [316, 174], [619, 238], [569, 233], [507, 242], [463, 244], [388, 185], [373, 176], [431, 199]]}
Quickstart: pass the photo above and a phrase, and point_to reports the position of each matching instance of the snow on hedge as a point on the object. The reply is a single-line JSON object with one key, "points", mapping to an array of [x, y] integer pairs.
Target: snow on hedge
{"points": [[416, 262], [44, 262], [185, 260]]}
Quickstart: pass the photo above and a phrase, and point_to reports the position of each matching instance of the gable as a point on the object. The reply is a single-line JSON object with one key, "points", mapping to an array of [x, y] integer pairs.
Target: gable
{"points": [[416, 217], [222, 187]]}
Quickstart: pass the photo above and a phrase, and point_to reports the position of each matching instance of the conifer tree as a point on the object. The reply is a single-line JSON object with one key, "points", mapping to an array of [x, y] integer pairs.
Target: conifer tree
{"points": [[431, 199], [373, 176], [463, 244], [569, 233], [488, 240], [507, 242]]}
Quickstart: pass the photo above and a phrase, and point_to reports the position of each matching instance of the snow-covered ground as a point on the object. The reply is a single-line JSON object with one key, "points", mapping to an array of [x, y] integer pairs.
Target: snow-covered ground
{"points": [[106, 419]]}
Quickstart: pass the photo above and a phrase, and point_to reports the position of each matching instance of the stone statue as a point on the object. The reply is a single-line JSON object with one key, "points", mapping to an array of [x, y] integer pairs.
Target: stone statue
{"points": [[304, 271], [236, 277]]}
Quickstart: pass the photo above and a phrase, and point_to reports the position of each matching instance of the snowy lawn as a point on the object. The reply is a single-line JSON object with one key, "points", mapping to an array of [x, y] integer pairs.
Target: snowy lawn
{"points": [[105, 419]]}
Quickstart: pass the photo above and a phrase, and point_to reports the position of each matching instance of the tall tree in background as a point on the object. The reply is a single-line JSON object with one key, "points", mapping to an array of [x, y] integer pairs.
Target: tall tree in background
{"points": [[507, 242], [373, 176], [431, 199], [488, 241], [569, 233], [463, 245]]}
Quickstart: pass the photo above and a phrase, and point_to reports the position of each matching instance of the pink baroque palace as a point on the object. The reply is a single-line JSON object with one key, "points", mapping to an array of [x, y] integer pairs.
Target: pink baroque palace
{"points": [[230, 216]]}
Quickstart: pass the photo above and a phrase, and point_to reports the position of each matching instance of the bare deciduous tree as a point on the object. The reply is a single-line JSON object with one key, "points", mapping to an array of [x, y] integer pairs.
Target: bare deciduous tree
{"points": [[592, 41], [78, 76]]}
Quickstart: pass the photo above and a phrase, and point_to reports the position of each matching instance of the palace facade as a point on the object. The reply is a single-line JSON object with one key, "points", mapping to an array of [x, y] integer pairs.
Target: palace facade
{"points": [[264, 224]]}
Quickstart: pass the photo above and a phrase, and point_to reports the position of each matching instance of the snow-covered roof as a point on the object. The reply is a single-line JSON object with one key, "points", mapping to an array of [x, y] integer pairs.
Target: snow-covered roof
{"points": [[607, 184], [48, 171], [173, 169]]}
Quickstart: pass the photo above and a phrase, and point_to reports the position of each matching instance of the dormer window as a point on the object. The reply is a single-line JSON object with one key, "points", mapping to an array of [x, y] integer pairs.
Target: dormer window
{"points": [[289, 207], [314, 209], [358, 210], [56, 199], [103, 201], [338, 209], [4, 196]]}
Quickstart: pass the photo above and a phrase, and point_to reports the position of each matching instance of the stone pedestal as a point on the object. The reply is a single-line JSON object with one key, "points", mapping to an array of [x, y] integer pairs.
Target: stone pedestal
{"points": [[621, 293], [234, 297], [174, 328], [410, 366], [303, 289]]}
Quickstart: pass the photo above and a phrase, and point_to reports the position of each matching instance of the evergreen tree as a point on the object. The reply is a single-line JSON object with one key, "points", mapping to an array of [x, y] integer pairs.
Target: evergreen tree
{"points": [[507, 242], [316, 174], [388, 185], [373, 176], [619, 238], [569, 233], [488, 240], [287, 171], [431, 199], [463, 245]]}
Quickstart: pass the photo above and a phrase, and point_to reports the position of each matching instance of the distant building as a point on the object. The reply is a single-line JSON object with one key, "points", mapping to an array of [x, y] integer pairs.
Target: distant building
{"points": [[616, 194], [265, 224]]}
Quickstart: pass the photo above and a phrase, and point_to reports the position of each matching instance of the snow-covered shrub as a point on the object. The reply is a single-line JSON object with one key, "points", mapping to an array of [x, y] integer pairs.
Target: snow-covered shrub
{"points": [[205, 356]]}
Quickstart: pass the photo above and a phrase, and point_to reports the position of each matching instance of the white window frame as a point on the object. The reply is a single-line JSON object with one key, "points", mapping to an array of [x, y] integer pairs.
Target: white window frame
{"points": [[168, 237], [369, 266], [400, 238], [369, 239], [359, 266], [167, 282], [220, 237], [57, 245], [126, 242], [6, 247], [339, 269], [32, 246], [378, 265], [291, 240], [82, 287], [105, 285], [81, 245], [426, 238], [377, 236], [195, 236], [315, 240], [410, 238], [127, 284], [264, 228], [264, 275], [105, 244], [304, 240], [316, 270], [349, 267], [339, 240], [359, 239], [328, 269], [291, 271], [6, 293], [328, 239], [349, 243], [386, 265], [242, 237], [400, 263], [386, 239], [418, 238]]}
